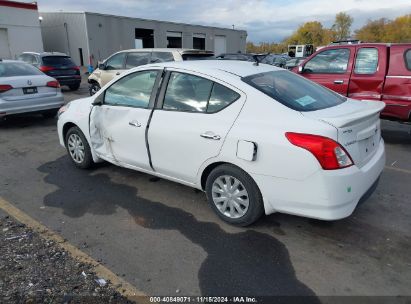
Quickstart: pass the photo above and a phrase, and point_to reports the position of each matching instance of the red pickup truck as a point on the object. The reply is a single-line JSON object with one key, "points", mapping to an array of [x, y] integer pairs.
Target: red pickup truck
{"points": [[371, 71]]}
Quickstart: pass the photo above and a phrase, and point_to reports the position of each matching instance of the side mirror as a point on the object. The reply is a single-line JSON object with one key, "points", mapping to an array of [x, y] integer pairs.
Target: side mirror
{"points": [[98, 101], [101, 66], [300, 69]]}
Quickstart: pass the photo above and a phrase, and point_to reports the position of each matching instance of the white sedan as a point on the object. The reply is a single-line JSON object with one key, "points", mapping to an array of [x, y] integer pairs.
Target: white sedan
{"points": [[257, 139], [24, 88]]}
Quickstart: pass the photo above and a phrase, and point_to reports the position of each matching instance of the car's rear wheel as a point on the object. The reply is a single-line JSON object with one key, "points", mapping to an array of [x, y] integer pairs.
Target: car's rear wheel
{"points": [[50, 113], [74, 87], [234, 195], [94, 88], [78, 148]]}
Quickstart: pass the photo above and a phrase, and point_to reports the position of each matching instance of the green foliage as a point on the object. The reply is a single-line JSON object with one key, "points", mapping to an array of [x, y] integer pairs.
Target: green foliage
{"points": [[342, 26]]}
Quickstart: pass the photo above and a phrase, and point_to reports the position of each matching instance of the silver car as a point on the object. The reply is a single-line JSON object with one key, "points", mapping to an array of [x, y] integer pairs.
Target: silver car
{"points": [[24, 88]]}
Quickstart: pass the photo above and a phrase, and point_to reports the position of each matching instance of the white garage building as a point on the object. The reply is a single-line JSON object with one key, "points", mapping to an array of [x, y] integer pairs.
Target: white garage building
{"points": [[19, 29], [90, 37]]}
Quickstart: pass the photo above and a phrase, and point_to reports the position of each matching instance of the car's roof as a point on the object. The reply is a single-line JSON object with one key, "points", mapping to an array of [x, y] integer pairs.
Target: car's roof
{"points": [[211, 67], [9, 60], [43, 54]]}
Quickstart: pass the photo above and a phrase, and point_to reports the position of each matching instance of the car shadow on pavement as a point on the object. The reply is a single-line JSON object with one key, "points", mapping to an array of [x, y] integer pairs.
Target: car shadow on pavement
{"points": [[245, 263], [25, 120]]}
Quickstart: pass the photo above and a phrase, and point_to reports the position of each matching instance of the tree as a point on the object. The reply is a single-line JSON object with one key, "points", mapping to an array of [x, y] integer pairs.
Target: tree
{"points": [[342, 26], [399, 30], [310, 33], [373, 31]]}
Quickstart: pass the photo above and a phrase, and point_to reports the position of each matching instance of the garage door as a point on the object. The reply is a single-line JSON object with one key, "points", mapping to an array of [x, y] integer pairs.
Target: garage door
{"points": [[219, 45], [4, 44]]}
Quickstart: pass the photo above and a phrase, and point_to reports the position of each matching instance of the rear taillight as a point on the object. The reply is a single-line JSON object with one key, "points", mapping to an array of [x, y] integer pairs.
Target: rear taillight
{"points": [[53, 84], [5, 88], [330, 154], [45, 68]]}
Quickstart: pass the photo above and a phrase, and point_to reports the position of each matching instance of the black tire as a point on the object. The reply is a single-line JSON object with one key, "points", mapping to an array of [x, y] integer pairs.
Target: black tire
{"points": [[256, 206], [50, 113], [74, 87], [93, 88], [87, 161]]}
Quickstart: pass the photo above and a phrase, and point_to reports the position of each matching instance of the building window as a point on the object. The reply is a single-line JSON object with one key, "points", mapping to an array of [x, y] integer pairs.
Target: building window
{"points": [[199, 41], [174, 40]]}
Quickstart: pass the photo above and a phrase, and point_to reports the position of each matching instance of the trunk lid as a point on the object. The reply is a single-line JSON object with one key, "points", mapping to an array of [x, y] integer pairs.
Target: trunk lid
{"points": [[22, 82], [358, 127]]}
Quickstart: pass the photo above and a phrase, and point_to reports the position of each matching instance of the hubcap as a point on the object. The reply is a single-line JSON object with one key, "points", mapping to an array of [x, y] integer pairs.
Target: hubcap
{"points": [[230, 196], [76, 148]]}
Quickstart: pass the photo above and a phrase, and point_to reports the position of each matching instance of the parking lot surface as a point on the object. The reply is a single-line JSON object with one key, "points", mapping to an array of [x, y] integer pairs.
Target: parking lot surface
{"points": [[163, 238]]}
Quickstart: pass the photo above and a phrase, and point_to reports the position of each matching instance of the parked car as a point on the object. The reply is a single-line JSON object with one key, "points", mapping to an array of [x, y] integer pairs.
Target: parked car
{"points": [[293, 62], [127, 59], [236, 56], [57, 65], [276, 60], [256, 138], [366, 71], [23, 88]]}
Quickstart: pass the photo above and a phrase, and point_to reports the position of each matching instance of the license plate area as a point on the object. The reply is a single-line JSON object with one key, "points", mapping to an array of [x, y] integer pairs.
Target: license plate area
{"points": [[30, 90], [368, 146]]}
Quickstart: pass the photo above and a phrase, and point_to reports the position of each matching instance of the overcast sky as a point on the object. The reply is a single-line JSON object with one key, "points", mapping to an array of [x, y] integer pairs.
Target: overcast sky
{"points": [[264, 20]]}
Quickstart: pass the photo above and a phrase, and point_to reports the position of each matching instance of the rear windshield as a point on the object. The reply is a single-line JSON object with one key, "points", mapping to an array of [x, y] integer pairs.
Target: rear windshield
{"points": [[10, 69], [58, 61], [294, 91], [197, 56]]}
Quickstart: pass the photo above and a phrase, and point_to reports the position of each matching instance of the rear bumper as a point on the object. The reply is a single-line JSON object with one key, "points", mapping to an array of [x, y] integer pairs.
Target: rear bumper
{"points": [[325, 195], [31, 104]]}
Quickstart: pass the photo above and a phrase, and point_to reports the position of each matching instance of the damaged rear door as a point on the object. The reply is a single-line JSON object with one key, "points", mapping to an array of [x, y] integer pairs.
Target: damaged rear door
{"points": [[118, 125]]}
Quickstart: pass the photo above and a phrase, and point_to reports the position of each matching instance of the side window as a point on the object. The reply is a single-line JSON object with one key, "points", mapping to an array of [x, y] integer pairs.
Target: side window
{"points": [[329, 62], [162, 57], [366, 62], [24, 57], [407, 58], [137, 59], [115, 62], [133, 90], [187, 93], [220, 98]]}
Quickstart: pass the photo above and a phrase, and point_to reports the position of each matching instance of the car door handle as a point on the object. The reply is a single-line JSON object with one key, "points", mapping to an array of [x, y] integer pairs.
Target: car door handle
{"points": [[118, 73], [134, 123], [339, 81], [211, 135]]}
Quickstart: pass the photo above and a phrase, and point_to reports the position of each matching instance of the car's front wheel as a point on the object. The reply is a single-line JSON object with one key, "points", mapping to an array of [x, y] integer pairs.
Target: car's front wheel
{"points": [[78, 148], [234, 196], [94, 88]]}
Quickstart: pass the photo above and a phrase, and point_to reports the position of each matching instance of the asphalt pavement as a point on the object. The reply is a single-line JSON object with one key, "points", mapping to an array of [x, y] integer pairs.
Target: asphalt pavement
{"points": [[164, 239]]}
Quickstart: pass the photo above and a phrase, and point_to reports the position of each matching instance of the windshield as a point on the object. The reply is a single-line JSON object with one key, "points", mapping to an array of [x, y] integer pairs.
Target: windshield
{"points": [[10, 69], [294, 91]]}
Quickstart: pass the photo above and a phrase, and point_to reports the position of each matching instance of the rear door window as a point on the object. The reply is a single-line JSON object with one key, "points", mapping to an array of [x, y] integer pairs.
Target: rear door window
{"points": [[190, 93], [116, 62], [137, 59], [220, 98], [294, 91], [366, 62], [334, 61], [407, 58]]}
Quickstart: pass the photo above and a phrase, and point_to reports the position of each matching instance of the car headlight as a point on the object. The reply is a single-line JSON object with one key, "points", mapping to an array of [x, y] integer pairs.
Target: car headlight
{"points": [[63, 109]]}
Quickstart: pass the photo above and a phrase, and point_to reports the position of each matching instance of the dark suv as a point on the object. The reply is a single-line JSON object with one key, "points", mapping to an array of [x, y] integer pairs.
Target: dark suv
{"points": [[57, 65]]}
